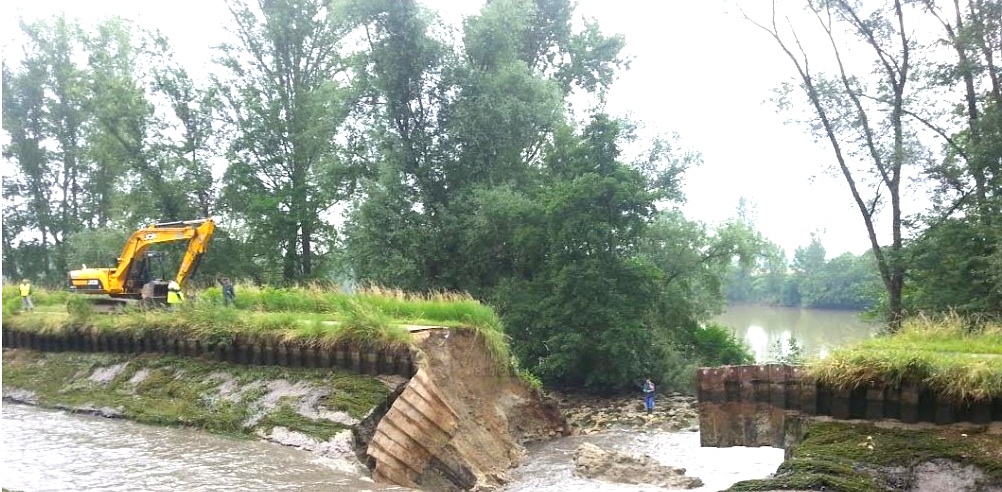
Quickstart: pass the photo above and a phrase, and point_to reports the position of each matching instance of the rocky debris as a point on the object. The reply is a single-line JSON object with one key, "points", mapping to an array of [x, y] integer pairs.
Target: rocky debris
{"points": [[18, 395], [139, 376], [105, 375], [940, 474], [339, 448], [589, 414], [591, 461], [26, 397], [87, 409]]}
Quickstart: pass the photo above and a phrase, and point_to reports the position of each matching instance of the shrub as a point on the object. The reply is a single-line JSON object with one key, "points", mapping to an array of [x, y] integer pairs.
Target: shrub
{"points": [[716, 345]]}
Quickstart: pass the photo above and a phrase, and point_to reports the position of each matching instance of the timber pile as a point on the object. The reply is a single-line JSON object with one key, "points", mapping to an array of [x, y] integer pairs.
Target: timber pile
{"points": [[762, 405]]}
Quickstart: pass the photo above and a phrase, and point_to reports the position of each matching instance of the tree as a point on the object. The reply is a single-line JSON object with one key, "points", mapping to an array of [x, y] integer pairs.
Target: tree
{"points": [[954, 261], [286, 100], [455, 131], [583, 321], [46, 113], [864, 122]]}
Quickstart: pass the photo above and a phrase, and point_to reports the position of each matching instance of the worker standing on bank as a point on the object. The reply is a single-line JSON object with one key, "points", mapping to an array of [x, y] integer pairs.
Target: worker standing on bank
{"points": [[26, 304], [649, 395], [174, 295], [229, 295]]}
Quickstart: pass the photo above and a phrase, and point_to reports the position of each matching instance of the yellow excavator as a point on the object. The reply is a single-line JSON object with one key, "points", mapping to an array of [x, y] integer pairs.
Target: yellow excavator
{"points": [[133, 281]]}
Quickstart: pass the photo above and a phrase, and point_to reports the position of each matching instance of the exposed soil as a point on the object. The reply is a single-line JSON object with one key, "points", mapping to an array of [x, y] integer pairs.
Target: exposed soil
{"points": [[497, 413]]}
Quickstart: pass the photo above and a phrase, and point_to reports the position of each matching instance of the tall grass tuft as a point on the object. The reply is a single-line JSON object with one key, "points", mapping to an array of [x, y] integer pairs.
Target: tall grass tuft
{"points": [[951, 355], [364, 323]]}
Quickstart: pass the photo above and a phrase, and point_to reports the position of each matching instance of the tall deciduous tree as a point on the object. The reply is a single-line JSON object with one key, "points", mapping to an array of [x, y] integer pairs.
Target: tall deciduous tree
{"points": [[285, 99], [864, 122]]}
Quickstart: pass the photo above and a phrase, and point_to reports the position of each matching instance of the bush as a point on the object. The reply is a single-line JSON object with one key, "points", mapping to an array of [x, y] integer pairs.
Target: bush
{"points": [[716, 345]]}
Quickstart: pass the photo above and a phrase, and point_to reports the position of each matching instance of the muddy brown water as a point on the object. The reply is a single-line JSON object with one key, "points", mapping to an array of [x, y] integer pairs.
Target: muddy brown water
{"points": [[49, 450]]}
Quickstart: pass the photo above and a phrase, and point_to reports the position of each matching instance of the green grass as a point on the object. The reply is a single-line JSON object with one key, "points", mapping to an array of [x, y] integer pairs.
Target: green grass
{"points": [[305, 314], [179, 391], [948, 355], [855, 458]]}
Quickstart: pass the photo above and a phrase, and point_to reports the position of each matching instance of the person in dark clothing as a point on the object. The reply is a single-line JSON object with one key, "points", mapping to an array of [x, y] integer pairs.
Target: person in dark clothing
{"points": [[649, 395], [229, 294]]}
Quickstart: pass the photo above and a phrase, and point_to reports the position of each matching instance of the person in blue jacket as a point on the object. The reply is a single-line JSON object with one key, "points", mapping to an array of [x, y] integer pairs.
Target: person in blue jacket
{"points": [[649, 395]]}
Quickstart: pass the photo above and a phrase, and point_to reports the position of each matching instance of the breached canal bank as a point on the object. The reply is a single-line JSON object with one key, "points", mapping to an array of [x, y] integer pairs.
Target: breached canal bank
{"points": [[919, 410], [336, 414]]}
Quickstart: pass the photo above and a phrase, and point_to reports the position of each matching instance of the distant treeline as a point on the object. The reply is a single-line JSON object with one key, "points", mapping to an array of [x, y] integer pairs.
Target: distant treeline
{"points": [[810, 280]]}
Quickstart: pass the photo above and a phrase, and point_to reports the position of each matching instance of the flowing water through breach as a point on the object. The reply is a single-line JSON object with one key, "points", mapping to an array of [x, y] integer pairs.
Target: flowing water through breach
{"points": [[49, 450]]}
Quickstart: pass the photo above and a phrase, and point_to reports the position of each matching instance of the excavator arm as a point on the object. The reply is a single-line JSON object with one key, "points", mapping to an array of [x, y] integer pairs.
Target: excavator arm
{"points": [[196, 232]]}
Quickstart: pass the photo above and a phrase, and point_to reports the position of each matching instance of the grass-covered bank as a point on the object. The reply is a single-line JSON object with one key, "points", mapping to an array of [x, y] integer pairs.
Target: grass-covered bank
{"points": [[954, 358], [865, 458], [310, 316], [178, 391]]}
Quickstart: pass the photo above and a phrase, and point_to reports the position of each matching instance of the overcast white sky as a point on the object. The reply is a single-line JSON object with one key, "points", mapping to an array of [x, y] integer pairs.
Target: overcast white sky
{"points": [[696, 70]]}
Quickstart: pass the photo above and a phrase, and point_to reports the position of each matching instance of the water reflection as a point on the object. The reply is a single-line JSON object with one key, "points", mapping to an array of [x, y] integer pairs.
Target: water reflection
{"points": [[769, 330], [757, 340]]}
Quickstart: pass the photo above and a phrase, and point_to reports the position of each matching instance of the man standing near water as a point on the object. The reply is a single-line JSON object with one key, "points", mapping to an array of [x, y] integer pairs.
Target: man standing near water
{"points": [[649, 395]]}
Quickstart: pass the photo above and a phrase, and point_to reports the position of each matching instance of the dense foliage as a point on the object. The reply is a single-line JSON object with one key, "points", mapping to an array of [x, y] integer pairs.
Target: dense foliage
{"points": [[364, 142], [811, 280]]}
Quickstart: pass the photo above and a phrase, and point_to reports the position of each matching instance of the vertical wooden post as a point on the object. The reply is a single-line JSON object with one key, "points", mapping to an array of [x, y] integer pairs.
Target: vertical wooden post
{"points": [[282, 353], [340, 356], [944, 410], [355, 358], [779, 374], [370, 360], [309, 357], [808, 396], [324, 357], [268, 351], [981, 411], [295, 350], [841, 403], [909, 402], [875, 400]]}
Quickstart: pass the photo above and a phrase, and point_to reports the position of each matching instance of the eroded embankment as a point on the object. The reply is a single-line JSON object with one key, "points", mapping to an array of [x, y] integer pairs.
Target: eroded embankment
{"points": [[308, 408], [458, 424], [868, 457], [462, 419]]}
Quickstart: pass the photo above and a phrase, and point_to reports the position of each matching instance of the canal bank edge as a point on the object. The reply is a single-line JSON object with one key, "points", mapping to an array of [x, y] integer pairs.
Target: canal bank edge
{"points": [[912, 438], [330, 412], [883, 456]]}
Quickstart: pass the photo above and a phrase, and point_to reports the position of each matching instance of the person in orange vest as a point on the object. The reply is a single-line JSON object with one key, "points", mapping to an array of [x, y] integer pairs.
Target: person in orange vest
{"points": [[26, 304], [174, 295]]}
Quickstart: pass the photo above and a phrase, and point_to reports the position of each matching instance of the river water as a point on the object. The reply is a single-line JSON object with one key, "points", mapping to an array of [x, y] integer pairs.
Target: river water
{"points": [[51, 450], [48, 450], [768, 330]]}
